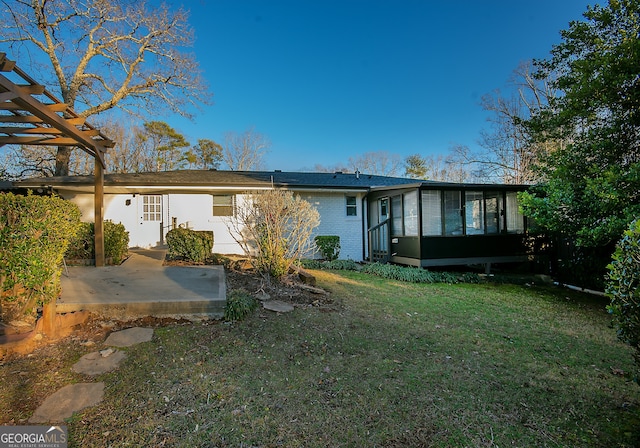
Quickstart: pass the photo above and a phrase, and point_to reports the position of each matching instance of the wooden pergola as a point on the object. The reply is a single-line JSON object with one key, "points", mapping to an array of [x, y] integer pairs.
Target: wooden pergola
{"points": [[31, 115]]}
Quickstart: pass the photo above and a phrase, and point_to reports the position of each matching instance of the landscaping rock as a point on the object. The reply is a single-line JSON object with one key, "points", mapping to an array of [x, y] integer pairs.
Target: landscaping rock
{"points": [[96, 363], [66, 401], [129, 337], [277, 306]]}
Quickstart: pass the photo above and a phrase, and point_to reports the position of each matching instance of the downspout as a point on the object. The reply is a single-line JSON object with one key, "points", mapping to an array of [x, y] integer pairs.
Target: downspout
{"points": [[365, 227]]}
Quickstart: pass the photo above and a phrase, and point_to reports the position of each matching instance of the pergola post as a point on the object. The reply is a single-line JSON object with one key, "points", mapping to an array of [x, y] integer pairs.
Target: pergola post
{"points": [[98, 200]]}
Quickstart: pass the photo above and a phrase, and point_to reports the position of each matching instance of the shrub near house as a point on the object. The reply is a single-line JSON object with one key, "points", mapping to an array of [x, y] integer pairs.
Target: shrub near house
{"points": [[189, 245], [34, 234], [116, 243]]}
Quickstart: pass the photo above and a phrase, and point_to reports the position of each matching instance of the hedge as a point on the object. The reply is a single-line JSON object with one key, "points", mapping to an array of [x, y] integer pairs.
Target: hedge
{"points": [[189, 245], [34, 234], [623, 288], [116, 243]]}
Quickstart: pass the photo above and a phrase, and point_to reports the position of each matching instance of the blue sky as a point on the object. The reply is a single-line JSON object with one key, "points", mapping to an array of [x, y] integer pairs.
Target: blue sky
{"points": [[327, 80]]}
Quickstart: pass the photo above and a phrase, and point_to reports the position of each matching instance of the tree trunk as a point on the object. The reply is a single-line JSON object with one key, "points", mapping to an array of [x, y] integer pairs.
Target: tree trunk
{"points": [[63, 157]]}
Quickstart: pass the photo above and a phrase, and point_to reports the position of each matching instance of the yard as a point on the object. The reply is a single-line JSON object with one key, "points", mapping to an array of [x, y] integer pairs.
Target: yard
{"points": [[386, 364]]}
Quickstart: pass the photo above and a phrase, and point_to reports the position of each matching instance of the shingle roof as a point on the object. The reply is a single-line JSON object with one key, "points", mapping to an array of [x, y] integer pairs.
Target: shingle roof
{"points": [[229, 178]]}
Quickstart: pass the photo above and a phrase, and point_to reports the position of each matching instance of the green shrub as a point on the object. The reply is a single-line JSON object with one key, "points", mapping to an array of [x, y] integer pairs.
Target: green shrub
{"points": [[328, 246], [116, 242], [34, 234], [190, 245], [337, 265], [417, 275], [240, 304], [623, 283], [81, 246]]}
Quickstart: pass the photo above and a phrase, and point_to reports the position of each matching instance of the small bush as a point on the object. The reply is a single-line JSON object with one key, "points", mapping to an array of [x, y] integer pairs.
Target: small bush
{"points": [[328, 246], [337, 265], [623, 283], [240, 304], [116, 242], [34, 234], [417, 275], [189, 245]]}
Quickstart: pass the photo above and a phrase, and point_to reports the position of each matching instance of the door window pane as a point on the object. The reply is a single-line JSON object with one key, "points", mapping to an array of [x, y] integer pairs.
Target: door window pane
{"points": [[152, 208], [396, 216], [384, 209]]}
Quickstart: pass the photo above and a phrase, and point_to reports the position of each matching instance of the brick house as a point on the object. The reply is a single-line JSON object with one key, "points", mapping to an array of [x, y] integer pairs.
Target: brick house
{"points": [[378, 218]]}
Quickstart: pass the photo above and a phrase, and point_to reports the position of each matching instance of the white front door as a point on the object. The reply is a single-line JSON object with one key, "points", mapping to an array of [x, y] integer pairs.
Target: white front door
{"points": [[149, 220]]}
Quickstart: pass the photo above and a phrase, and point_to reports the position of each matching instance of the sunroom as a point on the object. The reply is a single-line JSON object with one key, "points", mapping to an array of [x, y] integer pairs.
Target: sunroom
{"points": [[445, 224]]}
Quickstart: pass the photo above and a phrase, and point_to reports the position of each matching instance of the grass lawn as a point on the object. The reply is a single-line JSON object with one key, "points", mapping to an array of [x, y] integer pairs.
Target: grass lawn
{"points": [[397, 365]]}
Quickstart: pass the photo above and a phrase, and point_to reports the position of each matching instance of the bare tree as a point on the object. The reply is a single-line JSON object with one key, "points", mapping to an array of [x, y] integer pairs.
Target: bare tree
{"points": [[378, 162], [274, 229], [509, 154], [132, 156], [29, 161], [246, 151], [106, 53]]}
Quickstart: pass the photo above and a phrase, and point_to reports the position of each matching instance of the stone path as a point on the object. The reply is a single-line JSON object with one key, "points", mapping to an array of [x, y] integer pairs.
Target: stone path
{"points": [[75, 397]]}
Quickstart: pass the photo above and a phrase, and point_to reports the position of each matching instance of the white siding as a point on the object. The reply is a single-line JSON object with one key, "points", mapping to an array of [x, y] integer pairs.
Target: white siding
{"points": [[334, 221], [195, 211]]}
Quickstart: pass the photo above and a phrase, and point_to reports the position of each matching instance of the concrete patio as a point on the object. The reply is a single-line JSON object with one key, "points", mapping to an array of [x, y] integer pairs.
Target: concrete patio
{"points": [[142, 286]]}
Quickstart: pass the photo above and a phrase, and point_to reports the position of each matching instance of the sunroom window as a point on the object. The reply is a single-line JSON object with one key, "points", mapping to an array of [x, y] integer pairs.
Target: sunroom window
{"points": [[515, 219], [431, 213], [452, 213], [474, 212], [410, 209]]}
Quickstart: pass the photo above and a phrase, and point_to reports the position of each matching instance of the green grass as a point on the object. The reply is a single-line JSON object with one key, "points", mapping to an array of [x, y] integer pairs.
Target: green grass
{"points": [[399, 365]]}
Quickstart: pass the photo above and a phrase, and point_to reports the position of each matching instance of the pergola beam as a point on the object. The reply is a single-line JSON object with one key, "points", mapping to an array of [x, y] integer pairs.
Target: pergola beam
{"points": [[52, 123]]}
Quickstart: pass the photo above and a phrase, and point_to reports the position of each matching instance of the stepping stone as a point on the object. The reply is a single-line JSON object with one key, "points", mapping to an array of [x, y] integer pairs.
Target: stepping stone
{"points": [[129, 337], [277, 306], [68, 400], [97, 363]]}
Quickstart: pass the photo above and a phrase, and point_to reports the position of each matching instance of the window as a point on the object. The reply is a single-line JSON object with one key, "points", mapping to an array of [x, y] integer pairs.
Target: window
{"points": [[384, 209], [352, 206], [152, 208], [431, 213], [494, 211], [452, 213], [410, 208], [515, 219], [224, 205], [474, 212], [396, 216]]}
